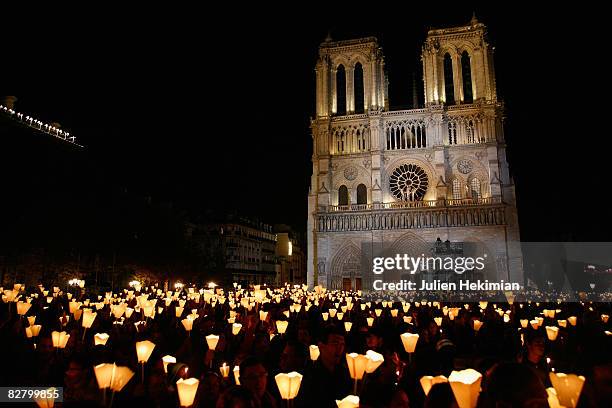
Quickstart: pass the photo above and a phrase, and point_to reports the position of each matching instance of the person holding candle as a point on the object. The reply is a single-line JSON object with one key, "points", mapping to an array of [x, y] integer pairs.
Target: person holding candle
{"points": [[513, 385], [533, 355], [210, 382], [327, 380], [293, 357], [254, 377]]}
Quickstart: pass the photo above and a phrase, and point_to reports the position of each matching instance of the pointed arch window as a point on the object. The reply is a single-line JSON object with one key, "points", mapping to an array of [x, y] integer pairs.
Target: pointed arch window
{"points": [[358, 88], [343, 197], [475, 188], [456, 189], [341, 90], [466, 74], [449, 86], [362, 194]]}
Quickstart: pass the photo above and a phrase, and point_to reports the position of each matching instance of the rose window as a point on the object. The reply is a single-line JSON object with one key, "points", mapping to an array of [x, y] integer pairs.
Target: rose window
{"points": [[408, 182]]}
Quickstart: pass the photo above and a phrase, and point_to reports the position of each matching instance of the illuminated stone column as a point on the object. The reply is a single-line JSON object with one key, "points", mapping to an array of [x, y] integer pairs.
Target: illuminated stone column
{"points": [[350, 89]]}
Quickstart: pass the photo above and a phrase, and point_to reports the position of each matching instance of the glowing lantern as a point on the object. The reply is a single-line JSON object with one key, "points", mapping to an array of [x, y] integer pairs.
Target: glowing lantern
{"points": [[236, 328], [351, 401], [121, 377], [101, 339], [438, 321], [428, 381], [60, 339], [23, 307], [144, 349], [314, 352], [288, 384], [118, 311], [325, 316], [187, 391], [77, 314], [212, 341], [466, 387], [409, 340], [408, 319], [572, 320], [374, 361], [281, 326], [178, 311], [33, 331], [104, 374], [604, 318], [263, 315], [535, 324], [378, 312], [394, 312], [340, 315], [237, 374], [370, 321], [477, 325], [347, 326], [224, 370], [506, 318], [568, 388], [357, 365], [562, 323], [332, 312], [552, 332], [88, 318], [187, 324], [149, 310], [167, 360], [73, 306]]}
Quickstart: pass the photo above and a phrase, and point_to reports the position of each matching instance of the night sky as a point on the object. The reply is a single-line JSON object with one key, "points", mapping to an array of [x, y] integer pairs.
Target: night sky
{"points": [[211, 109]]}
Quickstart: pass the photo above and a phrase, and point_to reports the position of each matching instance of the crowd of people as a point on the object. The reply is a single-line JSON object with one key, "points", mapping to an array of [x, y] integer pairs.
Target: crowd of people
{"points": [[515, 361]]}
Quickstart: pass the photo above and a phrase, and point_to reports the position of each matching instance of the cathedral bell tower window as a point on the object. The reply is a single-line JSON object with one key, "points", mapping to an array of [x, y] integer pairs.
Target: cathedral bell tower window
{"points": [[466, 75], [341, 90], [449, 86], [358, 88]]}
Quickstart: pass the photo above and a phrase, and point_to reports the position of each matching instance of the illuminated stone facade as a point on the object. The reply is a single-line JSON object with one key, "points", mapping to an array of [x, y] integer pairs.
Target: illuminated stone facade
{"points": [[402, 179]]}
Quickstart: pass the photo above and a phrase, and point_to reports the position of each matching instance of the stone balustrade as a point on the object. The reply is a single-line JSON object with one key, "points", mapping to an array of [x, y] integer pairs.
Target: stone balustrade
{"points": [[440, 214]]}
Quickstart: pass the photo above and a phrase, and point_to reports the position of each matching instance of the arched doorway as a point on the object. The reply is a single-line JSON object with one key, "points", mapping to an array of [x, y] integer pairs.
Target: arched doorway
{"points": [[346, 269]]}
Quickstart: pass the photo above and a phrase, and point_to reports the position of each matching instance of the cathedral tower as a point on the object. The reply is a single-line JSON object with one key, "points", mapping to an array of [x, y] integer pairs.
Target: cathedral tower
{"points": [[401, 180]]}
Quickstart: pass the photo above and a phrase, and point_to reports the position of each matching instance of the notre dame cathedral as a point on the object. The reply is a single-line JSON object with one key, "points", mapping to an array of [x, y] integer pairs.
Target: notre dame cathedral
{"points": [[406, 180]]}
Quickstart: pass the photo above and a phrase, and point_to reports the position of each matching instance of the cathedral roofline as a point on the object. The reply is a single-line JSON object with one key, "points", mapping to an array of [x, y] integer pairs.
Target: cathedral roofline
{"points": [[473, 26], [347, 43]]}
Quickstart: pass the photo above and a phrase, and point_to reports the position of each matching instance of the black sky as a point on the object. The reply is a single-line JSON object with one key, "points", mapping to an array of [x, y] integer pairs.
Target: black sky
{"points": [[210, 108]]}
